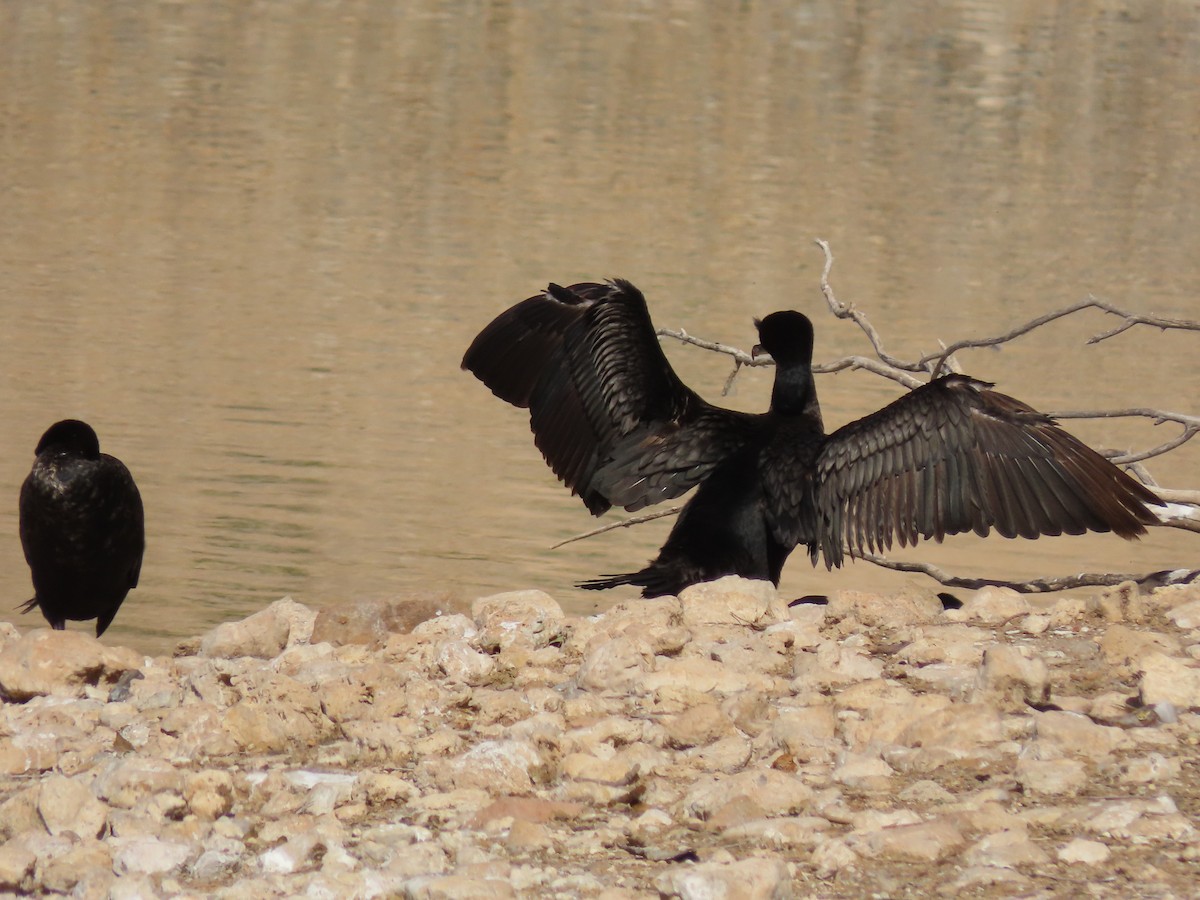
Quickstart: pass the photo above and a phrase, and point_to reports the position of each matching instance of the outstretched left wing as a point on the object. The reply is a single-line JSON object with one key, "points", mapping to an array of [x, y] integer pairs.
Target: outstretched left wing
{"points": [[955, 456]]}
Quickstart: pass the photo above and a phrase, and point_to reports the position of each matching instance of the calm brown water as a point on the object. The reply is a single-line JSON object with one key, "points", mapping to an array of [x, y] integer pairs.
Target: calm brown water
{"points": [[249, 243]]}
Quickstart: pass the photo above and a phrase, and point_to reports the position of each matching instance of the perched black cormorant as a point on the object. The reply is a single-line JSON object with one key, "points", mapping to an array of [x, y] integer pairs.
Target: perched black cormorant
{"points": [[618, 427], [82, 528]]}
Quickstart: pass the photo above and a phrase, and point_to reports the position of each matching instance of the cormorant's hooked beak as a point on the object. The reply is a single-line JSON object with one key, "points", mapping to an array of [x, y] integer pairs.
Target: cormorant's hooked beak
{"points": [[758, 349]]}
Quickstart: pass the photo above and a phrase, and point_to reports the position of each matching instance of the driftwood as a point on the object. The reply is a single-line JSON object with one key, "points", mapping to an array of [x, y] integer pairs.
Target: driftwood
{"points": [[1183, 505]]}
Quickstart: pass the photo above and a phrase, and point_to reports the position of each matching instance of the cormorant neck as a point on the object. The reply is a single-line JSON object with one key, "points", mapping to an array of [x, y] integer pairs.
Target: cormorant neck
{"points": [[794, 393]]}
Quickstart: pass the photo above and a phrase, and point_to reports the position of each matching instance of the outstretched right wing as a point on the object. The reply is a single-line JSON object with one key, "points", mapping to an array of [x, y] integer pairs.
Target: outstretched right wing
{"points": [[608, 413]]}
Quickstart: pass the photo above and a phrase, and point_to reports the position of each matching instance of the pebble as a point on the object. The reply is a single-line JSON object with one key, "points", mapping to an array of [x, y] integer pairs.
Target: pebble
{"points": [[717, 744]]}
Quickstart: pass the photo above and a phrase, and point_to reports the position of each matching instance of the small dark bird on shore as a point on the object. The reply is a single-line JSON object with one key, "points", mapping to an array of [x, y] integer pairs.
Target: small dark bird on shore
{"points": [[82, 528], [618, 427]]}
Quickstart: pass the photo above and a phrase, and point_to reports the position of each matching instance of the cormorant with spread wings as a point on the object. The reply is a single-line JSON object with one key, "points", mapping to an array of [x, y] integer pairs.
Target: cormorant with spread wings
{"points": [[619, 428]]}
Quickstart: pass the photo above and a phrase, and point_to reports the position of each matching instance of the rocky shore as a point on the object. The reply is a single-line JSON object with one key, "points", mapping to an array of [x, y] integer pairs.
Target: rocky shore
{"points": [[718, 745]]}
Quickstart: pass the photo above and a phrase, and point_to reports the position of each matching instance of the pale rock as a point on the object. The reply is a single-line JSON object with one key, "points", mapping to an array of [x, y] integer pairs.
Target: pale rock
{"points": [[28, 752], [382, 788], [925, 792], [454, 627], [66, 805], [773, 792], [1185, 616], [1127, 647], [743, 649], [1051, 776], [418, 859], [751, 712], [61, 663], [1069, 612], [276, 712], [973, 879], [957, 731], [1036, 623], [657, 621], [923, 841], [263, 635], [954, 644], [697, 726], [733, 601], [219, 856], [1175, 828], [456, 887], [372, 622], [528, 837], [1081, 850], [19, 814], [647, 827], [832, 856], [1121, 603], [868, 821], [806, 732], [530, 616], [909, 607], [1078, 735], [617, 665], [1012, 677], [1150, 768], [836, 663], [781, 833], [148, 855], [863, 772], [612, 771], [127, 782], [991, 606], [749, 879], [876, 712], [1165, 679], [693, 675], [1009, 848], [729, 754], [16, 868], [951, 679], [76, 866], [498, 767], [294, 854], [459, 661], [209, 793]]}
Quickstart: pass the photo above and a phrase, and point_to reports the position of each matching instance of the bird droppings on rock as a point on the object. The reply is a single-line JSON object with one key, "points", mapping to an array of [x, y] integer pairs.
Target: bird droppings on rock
{"points": [[657, 750]]}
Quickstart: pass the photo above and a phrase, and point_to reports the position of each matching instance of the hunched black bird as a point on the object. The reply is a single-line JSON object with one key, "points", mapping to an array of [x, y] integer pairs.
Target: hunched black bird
{"points": [[619, 428], [82, 528]]}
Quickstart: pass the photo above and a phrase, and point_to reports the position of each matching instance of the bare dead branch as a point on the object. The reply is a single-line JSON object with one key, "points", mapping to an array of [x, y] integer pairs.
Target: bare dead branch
{"points": [[1091, 302], [624, 523], [740, 356], [1038, 585], [849, 311], [1183, 506]]}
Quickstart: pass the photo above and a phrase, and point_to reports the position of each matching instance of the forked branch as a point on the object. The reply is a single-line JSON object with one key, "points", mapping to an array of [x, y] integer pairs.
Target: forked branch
{"points": [[1182, 511]]}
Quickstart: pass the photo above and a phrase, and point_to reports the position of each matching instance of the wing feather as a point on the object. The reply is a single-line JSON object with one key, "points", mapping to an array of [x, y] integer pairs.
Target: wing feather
{"points": [[608, 413], [954, 456]]}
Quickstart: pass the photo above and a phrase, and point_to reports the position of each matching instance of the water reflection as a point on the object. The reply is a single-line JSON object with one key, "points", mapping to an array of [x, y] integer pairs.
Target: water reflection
{"points": [[249, 243]]}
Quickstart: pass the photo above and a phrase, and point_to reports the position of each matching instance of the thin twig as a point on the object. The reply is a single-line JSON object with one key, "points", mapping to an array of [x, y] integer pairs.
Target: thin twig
{"points": [[624, 523], [1091, 302], [1037, 585], [849, 311]]}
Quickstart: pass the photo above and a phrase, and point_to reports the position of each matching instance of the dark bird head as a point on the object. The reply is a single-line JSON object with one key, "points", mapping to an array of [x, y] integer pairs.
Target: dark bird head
{"points": [[787, 336], [70, 436]]}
